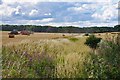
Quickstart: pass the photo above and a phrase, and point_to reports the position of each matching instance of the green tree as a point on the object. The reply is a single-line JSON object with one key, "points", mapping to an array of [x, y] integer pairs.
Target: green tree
{"points": [[117, 27]]}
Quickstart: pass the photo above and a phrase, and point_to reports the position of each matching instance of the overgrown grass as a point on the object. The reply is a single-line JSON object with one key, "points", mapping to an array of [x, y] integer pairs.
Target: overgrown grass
{"points": [[105, 62], [60, 59], [44, 59]]}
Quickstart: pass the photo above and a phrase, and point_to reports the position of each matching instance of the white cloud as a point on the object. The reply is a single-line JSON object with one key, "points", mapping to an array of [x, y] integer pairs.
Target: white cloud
{"points": [[77, 24], [89, 6], [47, 14], [6, 10], [106, 13], [82, 24], [96, 15], [33, 12], [76, 8], [21, 1], [83, 8], [18, 11], [29, 22], [47, 20], [43, 21], [35, 1], [40, 13]]}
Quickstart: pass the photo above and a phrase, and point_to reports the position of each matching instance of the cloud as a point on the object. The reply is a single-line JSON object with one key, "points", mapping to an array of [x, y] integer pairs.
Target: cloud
{"points": [[47, 14], [33, 12], [42, 21], [6, 10], [18, 11], [47, 20], [82, 8], [21, 1], [59, 13], [108, 13], [36, 1], [81, 24]]}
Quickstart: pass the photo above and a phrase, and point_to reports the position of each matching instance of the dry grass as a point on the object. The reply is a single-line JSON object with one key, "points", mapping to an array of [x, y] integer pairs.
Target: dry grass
{"points": [[67, 56], [32, 37]]}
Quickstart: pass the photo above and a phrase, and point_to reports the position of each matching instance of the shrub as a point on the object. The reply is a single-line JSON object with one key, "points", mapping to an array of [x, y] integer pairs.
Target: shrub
{"points": [[86, 34], [92, 41]]}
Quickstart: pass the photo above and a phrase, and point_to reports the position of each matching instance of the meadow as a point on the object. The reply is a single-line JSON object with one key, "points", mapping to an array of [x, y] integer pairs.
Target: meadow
{"points": [[44, 55]]}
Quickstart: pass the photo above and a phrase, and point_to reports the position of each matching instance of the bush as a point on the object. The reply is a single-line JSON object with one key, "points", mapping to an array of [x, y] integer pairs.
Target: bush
{"points": [[92, 41], [86, 34]]}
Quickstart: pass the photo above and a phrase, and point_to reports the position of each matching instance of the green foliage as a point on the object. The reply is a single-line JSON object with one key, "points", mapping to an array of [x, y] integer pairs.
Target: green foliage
{"points": [[106, 63], [86, 34], [61, 29], [73, 39], [117, 27], [92, 41]]}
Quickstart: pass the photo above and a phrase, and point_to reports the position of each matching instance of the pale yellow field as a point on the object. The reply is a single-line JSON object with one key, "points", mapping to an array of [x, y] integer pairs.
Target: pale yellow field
{"points": [[32, 37], [41, 36]]}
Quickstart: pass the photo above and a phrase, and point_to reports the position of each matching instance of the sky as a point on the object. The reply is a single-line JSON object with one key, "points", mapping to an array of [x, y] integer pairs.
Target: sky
{"points": [[79, 13]]}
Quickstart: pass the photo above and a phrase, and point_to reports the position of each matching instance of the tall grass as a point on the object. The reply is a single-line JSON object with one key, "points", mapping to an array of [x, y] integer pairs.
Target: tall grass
{"points": [[60, 59], [44, 59]]}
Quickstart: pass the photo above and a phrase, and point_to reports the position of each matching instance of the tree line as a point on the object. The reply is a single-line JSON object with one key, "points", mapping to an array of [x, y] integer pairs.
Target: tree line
{"points": [[60, 29]]}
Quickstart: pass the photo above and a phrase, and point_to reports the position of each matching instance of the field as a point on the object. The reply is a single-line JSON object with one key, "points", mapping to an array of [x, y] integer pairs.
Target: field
{"points": [[43, 55], [37, 37], [32, 37]]}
